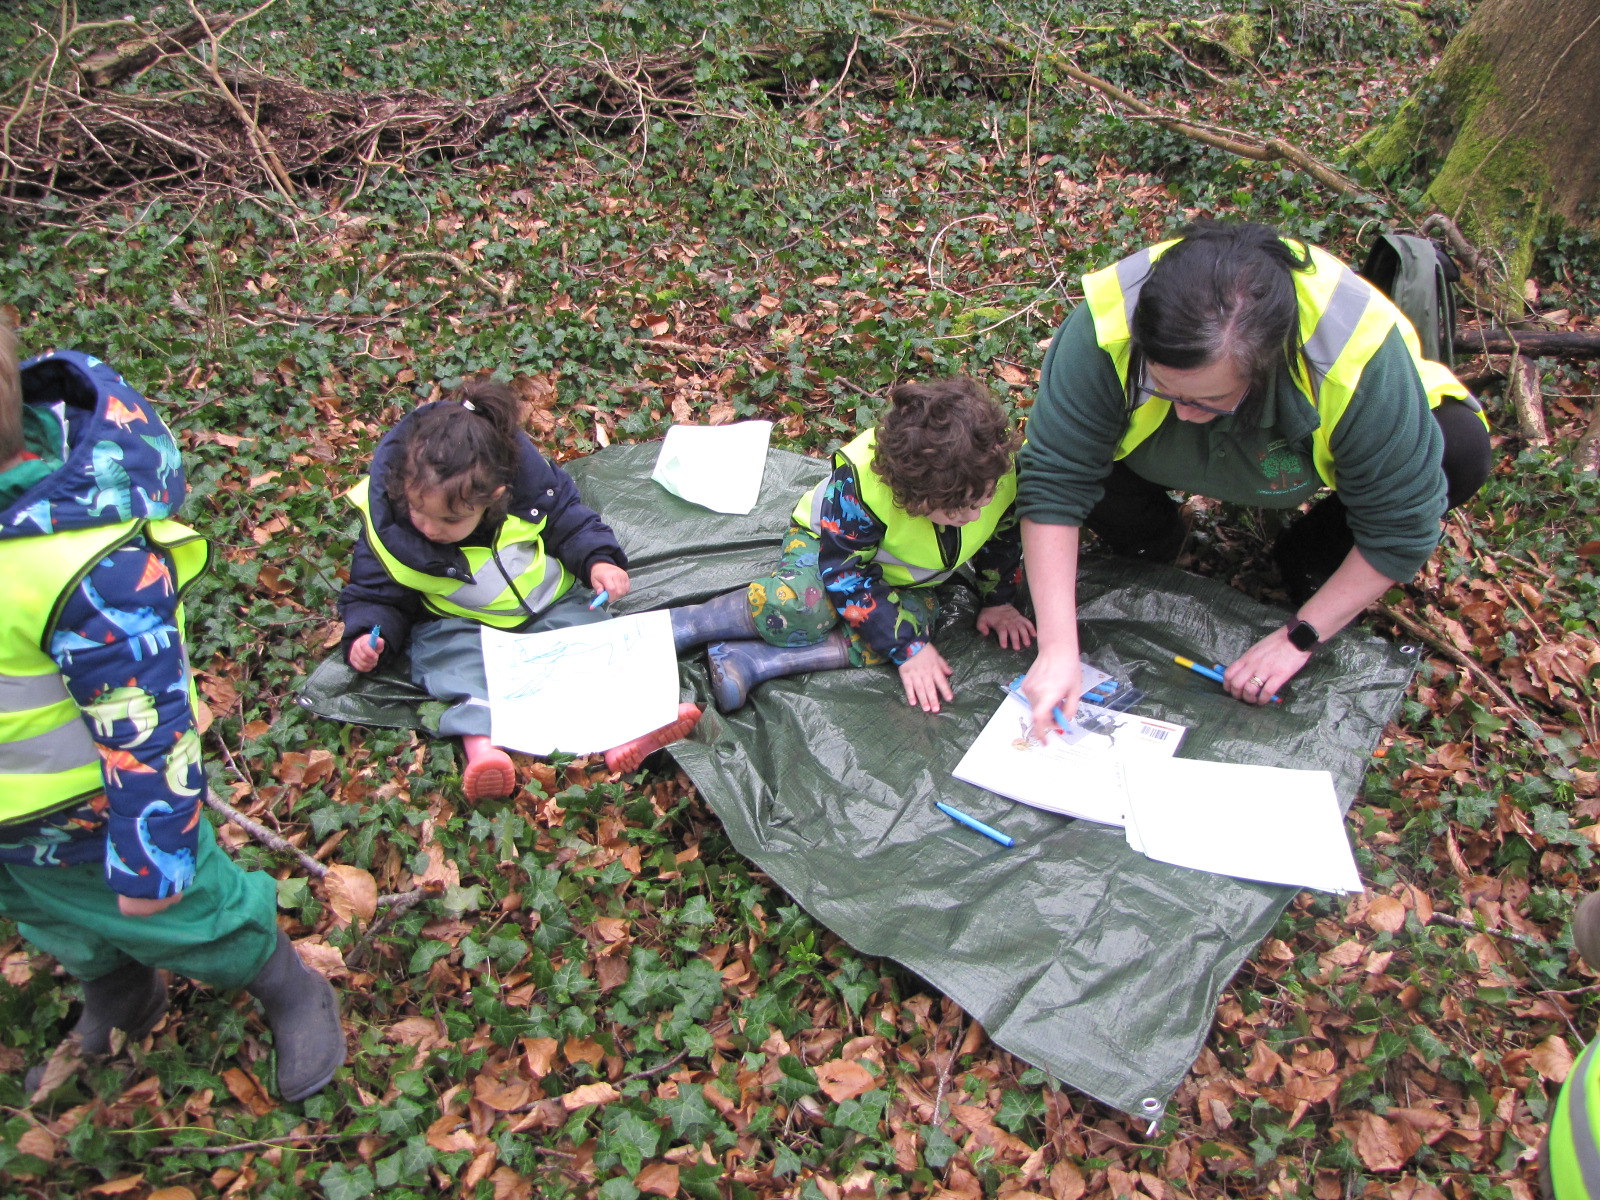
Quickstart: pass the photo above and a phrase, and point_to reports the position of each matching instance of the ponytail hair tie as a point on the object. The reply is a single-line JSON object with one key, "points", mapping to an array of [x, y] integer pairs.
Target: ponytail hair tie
{"points": [[469, 406]]}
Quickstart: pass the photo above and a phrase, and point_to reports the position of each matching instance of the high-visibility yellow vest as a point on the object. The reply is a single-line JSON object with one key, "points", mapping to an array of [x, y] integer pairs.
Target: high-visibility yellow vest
{"points": [[504, 585], [1574, 1146], [1343, 321], [47, 758], [909, 553]]}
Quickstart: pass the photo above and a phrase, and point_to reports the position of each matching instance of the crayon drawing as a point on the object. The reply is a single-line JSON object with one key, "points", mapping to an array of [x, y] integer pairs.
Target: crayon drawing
{"points": [[581, 689]]}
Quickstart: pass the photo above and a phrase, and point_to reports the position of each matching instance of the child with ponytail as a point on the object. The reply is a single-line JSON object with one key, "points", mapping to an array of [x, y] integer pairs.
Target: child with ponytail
{"points": [[465, 524]]}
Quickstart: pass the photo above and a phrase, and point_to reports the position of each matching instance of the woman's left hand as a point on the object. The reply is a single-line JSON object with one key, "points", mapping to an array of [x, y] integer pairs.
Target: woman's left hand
{"points": [[1010, 628], [609, 577], [1264, 668]]}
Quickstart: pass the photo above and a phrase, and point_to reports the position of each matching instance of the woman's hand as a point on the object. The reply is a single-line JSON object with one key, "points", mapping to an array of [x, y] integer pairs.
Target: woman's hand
{"points": [[1055, 679], [926, 677], [1010, 628], [141, 906], [1260, 671], [608, 577], [363, 656]]}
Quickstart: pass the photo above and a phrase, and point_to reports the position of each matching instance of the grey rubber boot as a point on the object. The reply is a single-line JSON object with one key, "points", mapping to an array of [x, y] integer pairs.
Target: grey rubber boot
{"points": [[303, 1013], [727, 618], [736, 667], [132, 998], [1586, 930]]}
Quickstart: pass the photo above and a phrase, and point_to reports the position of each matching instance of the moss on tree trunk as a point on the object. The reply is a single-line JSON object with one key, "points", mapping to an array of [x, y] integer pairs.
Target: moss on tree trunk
{"points": [[1502, 128]]}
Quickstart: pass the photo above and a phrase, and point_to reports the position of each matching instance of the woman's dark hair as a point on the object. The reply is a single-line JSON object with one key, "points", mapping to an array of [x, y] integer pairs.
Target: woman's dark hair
{"points": [[1226, 291], [463, 448], [943, 444]]}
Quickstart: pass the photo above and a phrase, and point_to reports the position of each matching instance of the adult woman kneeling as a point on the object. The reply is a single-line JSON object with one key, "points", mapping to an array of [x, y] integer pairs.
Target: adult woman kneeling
{"points": [[1256, 369]]}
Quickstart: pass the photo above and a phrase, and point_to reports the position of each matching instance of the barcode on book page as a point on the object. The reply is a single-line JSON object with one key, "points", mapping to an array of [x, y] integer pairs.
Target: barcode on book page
{"points": [[1154, 733]]}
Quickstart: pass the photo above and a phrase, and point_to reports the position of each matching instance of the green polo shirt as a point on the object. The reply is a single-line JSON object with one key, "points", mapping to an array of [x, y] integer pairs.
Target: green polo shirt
{"points": [[1387, 449]]}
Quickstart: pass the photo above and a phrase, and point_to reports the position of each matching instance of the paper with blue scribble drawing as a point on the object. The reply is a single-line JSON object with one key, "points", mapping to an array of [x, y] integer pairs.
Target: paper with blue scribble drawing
{"points": [[582, 689]]}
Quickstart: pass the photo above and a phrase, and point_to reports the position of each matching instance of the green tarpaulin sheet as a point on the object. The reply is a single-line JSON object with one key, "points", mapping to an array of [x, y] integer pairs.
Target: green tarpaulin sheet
{"points": [[1077, 954]]}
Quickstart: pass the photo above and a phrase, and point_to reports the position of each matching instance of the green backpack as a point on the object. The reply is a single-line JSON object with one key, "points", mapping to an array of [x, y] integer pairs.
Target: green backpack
{"points": [[1420, 277]]}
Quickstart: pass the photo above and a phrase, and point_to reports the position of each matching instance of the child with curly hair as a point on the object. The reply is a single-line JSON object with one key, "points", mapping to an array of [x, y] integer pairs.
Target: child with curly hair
{"points": [[908, 502]]}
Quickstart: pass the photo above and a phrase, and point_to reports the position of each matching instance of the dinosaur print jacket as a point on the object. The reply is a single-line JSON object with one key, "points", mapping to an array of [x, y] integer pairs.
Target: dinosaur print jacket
{"points": [[115, 638]]}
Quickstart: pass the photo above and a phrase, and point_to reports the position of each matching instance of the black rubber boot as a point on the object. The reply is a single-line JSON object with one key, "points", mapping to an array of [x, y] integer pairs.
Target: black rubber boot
{"points": [[304, 1016], [736, 667], [132, 998], [727, 618]]}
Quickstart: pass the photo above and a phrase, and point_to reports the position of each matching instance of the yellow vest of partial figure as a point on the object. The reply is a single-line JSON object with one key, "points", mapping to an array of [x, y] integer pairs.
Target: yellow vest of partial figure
{"points": [[47, 758], [909, 553], [505, 584], [1343, 321]]}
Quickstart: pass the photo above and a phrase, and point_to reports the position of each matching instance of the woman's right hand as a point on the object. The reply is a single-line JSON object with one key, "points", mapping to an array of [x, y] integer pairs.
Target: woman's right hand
{"points": [[1054, 680], [363, 657]]}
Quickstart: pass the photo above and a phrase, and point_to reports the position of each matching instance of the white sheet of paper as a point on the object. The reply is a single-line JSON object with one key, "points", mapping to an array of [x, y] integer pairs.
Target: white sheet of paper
{"points": [[715, 466], [1079, 775], [1264, 823], [582, 689]]}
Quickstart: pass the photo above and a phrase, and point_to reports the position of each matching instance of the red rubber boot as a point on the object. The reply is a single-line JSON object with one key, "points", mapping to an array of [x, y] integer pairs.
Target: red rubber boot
{"points": [[629, 755]]}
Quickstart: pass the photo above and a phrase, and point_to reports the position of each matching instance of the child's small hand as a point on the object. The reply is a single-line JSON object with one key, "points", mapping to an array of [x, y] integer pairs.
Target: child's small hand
{"points": [[608, 577], [141, 906], [926, 677], [363, 657], [1010, 628]]}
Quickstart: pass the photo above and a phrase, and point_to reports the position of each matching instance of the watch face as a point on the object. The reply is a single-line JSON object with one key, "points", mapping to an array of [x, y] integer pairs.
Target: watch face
{"points": [[1302, 636]]}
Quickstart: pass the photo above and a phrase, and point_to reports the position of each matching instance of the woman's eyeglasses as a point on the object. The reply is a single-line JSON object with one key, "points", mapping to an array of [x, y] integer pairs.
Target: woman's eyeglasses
{"points": [[1144, 392]]}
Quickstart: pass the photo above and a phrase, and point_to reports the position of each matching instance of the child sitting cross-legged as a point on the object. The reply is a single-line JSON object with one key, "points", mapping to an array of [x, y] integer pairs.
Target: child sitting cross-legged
{"points": [[465, 524], [908, 502]]}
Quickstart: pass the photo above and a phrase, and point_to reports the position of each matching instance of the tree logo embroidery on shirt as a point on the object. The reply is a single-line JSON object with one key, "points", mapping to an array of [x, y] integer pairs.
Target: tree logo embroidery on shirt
{"points": [[1283, 469]]}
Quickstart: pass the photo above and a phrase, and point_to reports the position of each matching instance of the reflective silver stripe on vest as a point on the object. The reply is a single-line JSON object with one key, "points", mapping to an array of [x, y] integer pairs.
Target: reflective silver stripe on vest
{"points": [[1581, 1125], [1131, 274], [491, 584], [919, 575], [61, 749], [19, 693], [1338, 322]]}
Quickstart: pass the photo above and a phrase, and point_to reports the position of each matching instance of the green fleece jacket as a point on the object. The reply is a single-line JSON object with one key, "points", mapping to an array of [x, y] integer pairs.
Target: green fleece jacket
{"points": [[1387, 449]]}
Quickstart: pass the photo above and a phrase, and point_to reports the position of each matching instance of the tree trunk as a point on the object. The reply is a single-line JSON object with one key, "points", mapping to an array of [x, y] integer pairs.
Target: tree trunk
{"points": [[1503, 126]]}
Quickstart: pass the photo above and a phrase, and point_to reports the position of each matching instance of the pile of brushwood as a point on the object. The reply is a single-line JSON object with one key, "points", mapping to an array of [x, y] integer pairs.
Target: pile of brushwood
{"points": [[288, 223]]}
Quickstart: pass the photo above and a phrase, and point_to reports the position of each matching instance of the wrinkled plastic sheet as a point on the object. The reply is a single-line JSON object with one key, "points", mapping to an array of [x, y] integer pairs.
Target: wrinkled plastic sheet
{"points": [[1076, 953]]}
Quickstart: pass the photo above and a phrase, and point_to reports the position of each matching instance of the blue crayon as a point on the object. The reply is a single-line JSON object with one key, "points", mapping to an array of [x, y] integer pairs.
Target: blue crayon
{"points": [[600, 598], [988, 831], [372, 638]]}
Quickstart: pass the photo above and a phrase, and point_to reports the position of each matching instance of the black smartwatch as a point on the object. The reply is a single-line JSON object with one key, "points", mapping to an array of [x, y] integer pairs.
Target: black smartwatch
{"points": [[1302, 635]]}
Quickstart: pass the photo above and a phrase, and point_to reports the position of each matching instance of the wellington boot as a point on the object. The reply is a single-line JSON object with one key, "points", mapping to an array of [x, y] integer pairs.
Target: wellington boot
{"points": [[489, 776], [131, 998], [629, 755], [736, 667], [303, 1013], [1586, 930], [727, 618]]}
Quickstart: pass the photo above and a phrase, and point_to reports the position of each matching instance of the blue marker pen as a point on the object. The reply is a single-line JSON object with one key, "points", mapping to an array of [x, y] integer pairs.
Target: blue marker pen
{"points": [[988, 831], [372, 638], [600, 598]]}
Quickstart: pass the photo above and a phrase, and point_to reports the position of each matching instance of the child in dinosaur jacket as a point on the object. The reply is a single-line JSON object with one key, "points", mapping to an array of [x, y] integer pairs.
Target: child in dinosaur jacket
{"points": [[106, 861]]}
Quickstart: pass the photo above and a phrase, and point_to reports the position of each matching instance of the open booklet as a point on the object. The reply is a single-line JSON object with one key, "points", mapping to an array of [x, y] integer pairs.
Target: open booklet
{"points": [[1077, 772], [1264, 823]]}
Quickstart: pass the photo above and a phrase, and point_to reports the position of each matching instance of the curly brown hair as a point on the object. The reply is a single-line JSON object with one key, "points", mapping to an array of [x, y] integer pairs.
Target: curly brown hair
{"points": [[11, 439], [943, 445]]}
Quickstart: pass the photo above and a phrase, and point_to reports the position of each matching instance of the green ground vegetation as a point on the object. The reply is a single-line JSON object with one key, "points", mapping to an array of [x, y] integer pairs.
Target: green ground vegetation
{"points": [[602, 998]]}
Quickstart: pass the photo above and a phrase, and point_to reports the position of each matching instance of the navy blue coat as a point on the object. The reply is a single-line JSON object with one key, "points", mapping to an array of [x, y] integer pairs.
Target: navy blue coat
{"points": [[574, 534]]}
